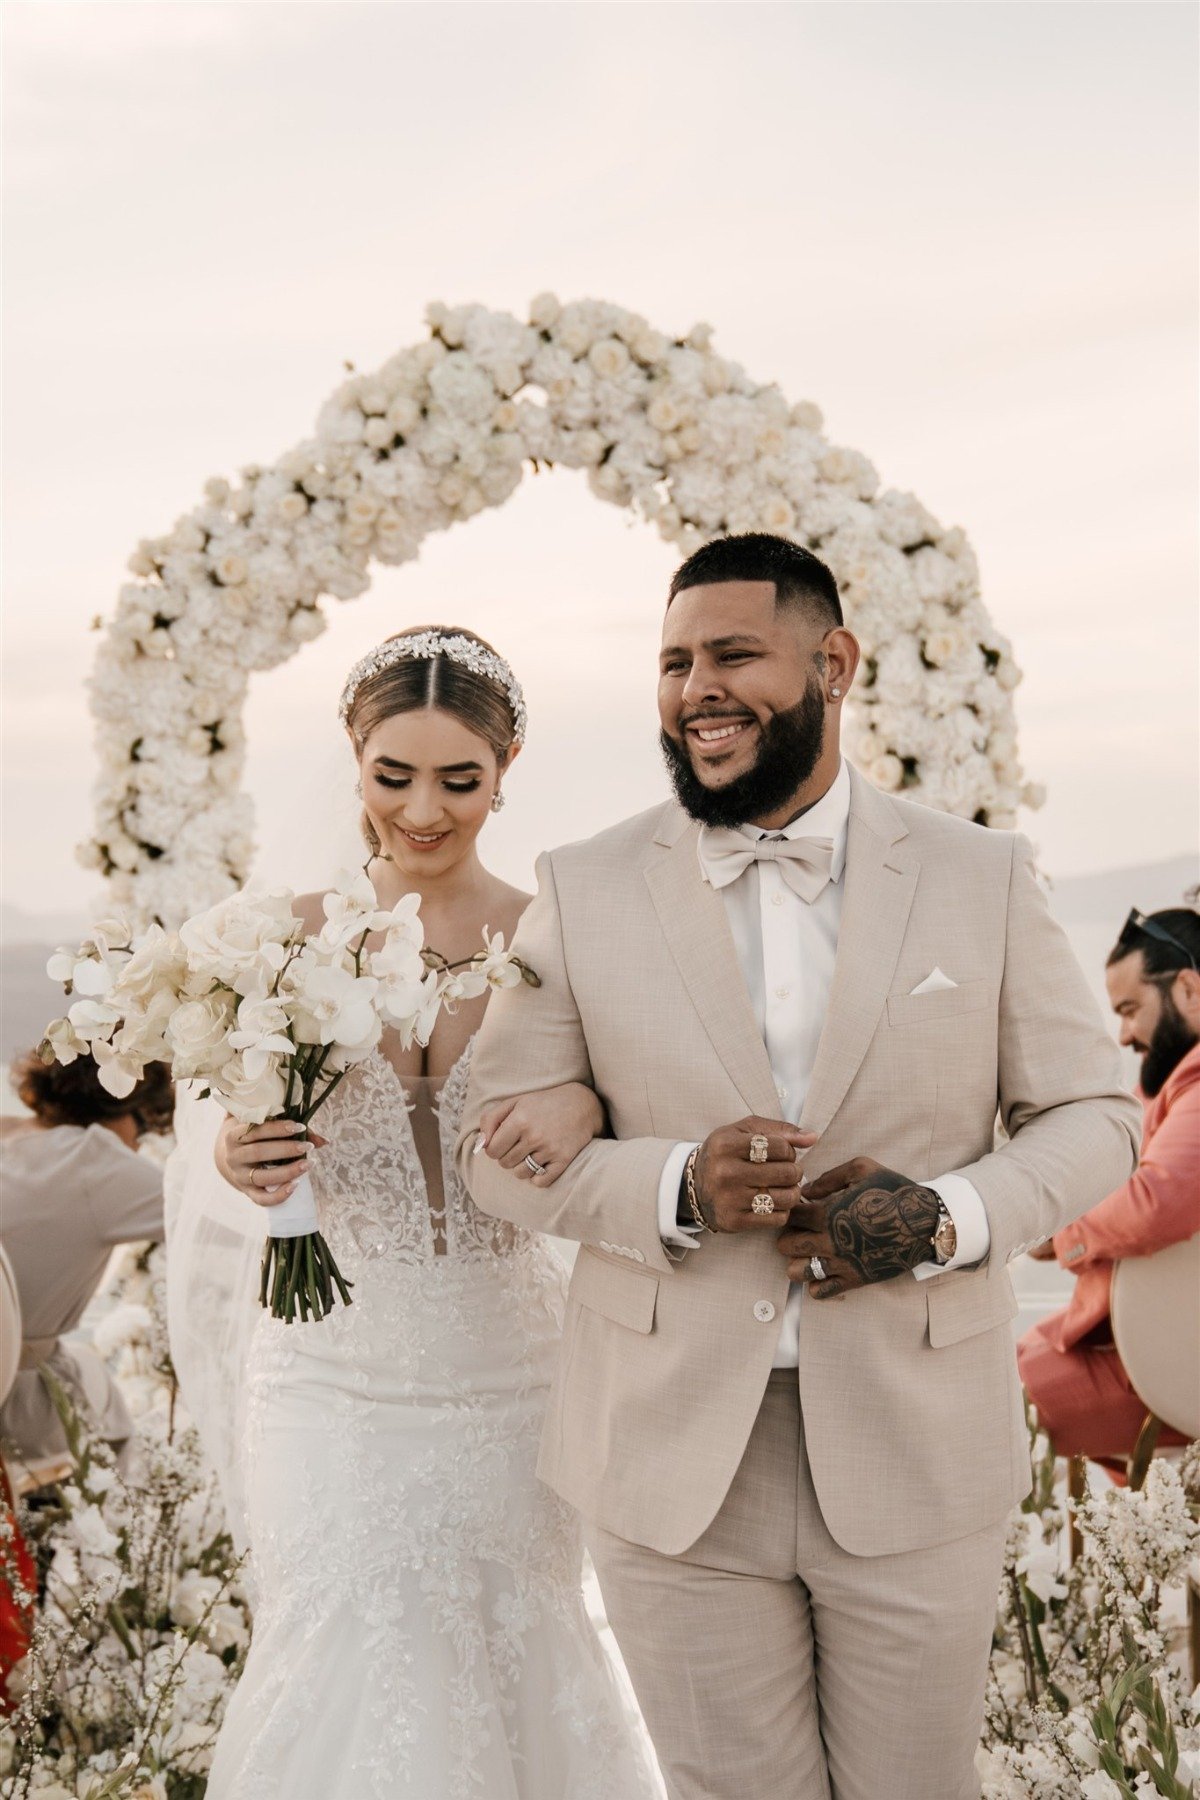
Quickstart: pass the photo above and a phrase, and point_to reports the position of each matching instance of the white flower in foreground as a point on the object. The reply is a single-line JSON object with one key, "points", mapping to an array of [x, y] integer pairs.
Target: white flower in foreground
{"points": [[496, 965], [249, 1098], [118, 1075], [90, 1533], [261, 1033], [197, 1034], [64, 1041], [123, 1326], [1099, 1787], [328, 1004], [240, 934]]}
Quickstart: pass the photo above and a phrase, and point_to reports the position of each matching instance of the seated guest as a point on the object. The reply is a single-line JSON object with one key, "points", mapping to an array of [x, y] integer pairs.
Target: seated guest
{"points": [[72, 1186], [1069, 1363]]}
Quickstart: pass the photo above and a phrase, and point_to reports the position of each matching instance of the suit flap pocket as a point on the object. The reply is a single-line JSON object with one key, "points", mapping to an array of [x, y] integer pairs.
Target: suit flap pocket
{"points": [[965, 1303], [624, 1295], [938, 1003]]}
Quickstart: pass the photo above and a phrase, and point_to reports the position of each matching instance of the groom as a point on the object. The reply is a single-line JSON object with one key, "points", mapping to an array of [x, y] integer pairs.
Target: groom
{"points": [[787, 1405]]}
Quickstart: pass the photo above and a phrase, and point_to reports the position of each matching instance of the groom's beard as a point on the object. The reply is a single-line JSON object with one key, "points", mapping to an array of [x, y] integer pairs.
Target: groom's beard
{"points": [[788, 752]]}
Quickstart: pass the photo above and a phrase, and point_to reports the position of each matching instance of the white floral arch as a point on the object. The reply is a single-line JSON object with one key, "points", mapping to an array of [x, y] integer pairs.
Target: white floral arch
{"points": [[442, 430]]}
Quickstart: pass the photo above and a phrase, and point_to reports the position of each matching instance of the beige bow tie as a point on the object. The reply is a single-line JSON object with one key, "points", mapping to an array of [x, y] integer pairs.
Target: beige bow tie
{"points": [[806, 864]]}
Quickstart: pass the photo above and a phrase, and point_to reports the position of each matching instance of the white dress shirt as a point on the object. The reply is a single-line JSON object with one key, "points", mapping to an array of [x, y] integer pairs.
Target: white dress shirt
{"points": [[786, 948]]}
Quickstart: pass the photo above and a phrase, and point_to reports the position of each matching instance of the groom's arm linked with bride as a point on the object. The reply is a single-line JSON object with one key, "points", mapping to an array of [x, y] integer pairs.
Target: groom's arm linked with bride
{"points": [[795, 1481]]}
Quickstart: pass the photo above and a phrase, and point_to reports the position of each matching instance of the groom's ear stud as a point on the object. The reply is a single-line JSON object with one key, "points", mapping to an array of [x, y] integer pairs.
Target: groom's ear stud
{"points": [[836, 692]]}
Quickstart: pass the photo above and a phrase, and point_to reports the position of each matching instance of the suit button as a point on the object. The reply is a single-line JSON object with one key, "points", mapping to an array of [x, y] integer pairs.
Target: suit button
{"points": [[764, 1312]]}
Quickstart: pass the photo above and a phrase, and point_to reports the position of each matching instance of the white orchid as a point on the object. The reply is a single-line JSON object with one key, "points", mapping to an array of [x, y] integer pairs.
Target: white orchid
{"points": [[328, 1004], [262, 1032], [497, 965]]}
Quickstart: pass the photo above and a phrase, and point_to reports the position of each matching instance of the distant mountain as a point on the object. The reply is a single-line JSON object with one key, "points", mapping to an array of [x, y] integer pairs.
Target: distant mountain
{"points": [[1092, 909], [1105, 899], [20, 927]]}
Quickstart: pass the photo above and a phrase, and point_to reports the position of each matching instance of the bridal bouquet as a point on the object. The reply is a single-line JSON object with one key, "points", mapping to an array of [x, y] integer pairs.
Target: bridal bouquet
{"points": [[269, 1019]]}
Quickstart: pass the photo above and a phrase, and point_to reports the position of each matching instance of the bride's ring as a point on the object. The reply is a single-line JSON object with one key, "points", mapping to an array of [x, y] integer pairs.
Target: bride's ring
{"points": [[816, 1269], [759, 1148], [534, 1167], [762, 1203]]}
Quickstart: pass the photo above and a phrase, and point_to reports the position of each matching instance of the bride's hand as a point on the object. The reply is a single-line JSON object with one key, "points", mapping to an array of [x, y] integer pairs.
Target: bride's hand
{"points": [[251, 1158], [551, 1128]]}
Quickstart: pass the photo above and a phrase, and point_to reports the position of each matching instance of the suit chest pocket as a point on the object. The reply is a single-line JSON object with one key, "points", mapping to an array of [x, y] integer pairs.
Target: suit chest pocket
{"points": [[940, 1005]]}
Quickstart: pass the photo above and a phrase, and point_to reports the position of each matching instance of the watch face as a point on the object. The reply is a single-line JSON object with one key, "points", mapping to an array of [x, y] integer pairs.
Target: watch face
{"points": [[945, 1239]]}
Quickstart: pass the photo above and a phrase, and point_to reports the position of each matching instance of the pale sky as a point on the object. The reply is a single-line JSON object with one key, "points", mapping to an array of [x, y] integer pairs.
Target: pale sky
{"points": [[967, 231]]}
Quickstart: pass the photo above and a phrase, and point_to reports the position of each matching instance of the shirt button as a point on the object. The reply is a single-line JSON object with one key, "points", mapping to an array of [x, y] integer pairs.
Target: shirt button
{"points": [[764, 1312], [776, 899], [781, 1090], [781, 993]]}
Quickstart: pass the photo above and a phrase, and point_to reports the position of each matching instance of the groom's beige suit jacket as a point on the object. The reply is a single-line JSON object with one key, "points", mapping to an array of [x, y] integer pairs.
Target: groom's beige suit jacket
{"points": [[912, 1408]]}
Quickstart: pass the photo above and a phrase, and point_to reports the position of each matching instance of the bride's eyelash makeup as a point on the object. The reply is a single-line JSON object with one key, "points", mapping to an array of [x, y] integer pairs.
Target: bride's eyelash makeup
{"points": [[452, 787]]}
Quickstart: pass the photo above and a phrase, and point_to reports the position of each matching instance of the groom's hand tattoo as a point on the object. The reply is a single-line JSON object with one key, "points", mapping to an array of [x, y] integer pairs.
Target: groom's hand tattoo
{"points": [[863, 1223]]}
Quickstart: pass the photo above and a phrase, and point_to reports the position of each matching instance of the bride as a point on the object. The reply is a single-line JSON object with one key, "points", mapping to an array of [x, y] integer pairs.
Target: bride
{"points": [[420, 1628]]}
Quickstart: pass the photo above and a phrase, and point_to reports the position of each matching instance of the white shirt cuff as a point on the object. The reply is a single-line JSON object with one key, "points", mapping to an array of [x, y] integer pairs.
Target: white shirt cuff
{"points": [[669, 1229], [961, 1200]]}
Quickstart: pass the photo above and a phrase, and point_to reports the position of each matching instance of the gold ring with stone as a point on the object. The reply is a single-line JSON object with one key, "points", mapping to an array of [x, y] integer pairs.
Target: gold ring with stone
{"points": [[760, 1148], [762, 1203]]}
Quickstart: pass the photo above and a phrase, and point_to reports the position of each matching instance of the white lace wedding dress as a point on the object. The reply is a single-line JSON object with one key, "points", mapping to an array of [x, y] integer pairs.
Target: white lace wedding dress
{"points": [[419, 1628]]}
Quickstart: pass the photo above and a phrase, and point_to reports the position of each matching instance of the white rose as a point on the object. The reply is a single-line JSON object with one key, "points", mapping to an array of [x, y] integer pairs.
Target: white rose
{"points": [[663, 413], [1083, 1749], [648, 345], [239, 934], [124, 1325], [292, 507], [807, 416], [544, 310], [158, 963], [777, 515], [1099, 1787], [191, 1597], [887, 772], [197, 1035], [231, 570], [251, 1101], [609, 358], [305, 624], [87, 1528], [403, 414]]}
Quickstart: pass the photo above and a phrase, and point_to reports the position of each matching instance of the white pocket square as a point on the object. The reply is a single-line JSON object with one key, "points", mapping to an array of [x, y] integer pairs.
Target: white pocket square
{"points": [[933, 983]]}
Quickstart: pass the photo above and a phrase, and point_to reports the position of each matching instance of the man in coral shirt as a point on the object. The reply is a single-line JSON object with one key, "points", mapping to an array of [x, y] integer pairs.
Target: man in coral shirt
{"points": [[1069, 1363]]}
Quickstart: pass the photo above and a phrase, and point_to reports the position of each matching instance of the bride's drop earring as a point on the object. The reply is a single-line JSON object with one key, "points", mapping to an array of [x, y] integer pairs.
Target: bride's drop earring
{"points": [[498, 801], [358, 787]]}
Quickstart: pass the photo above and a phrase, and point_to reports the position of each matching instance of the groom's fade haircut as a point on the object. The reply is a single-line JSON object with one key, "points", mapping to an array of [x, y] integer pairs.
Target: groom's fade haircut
{"points": [[801, 579]]}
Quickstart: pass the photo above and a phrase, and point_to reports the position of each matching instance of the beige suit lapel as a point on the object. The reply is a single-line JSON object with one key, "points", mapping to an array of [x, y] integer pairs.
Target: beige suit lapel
{"points": [[696, 927], [881, 878]]}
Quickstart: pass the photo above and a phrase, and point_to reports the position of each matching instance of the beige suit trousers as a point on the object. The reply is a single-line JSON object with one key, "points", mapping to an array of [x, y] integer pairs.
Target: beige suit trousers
{"points": [[771, 1663]]}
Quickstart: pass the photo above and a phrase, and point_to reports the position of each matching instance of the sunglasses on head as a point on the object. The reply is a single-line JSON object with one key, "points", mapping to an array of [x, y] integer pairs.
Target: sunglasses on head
{"points": [[1138, 922]]}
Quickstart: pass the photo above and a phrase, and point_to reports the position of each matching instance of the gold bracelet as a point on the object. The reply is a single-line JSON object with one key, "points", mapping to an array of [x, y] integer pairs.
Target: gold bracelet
{"points": [[689, 1178]]}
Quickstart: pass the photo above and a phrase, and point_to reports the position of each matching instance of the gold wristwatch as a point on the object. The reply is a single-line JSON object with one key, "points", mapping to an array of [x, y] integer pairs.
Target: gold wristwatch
{"points": [[945, 1235]]}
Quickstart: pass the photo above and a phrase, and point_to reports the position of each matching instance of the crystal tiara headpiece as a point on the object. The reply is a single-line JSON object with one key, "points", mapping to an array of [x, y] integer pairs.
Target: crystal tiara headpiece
{"points": [[424, 646]]}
